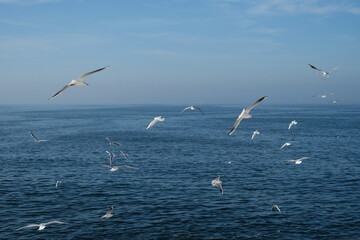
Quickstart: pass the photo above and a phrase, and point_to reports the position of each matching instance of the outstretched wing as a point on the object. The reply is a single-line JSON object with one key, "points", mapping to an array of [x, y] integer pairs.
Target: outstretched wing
{"points": [[236, 124], [185, 109], [303, 158], [60, 92], [28, 226], [152, 123], [313, 67], [200, 110], [127, 166], [32, 134], [256, 103], [92, 72], [54, 222], [333, 69]]}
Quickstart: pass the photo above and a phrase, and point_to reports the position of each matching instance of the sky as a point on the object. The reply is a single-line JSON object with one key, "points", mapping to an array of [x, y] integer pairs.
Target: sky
{"points": [[179, 51]]}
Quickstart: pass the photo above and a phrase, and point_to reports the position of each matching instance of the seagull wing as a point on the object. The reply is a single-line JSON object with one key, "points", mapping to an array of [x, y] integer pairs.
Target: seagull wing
{"points": [[255, 103], [313, 67], [32, 134], [220, 188], [127, 166], [152, 123], [303, 158], [89, 73], [200, 110], [185, 109], [53, 222], [60, 92], [236, 124], [333, 69], [109, 212], [27, 226]]}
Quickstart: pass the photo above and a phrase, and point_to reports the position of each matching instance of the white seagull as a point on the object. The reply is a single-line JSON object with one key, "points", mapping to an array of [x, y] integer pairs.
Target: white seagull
{"points": [[192, 108], [293, 122], [77, 82], [57, 183], [285, 145], [115, 168], [298, 161], [41, 225], [245, 114], [109, 213], [156, 119], [323, 96], [256, 132], [275, 207], [217, 183], [111, 143], [36, 139], [111, 156], [325, 74]]}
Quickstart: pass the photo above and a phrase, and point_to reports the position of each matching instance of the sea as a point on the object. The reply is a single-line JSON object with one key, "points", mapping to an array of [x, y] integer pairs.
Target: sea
{"points": [[170, 195]]}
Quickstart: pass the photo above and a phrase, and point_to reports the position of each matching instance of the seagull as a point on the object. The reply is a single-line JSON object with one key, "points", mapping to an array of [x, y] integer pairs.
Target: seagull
{"points": [[256, 132], [192, 108], [298, 161], [324, 95], [77, 82], [217, 183], [245, 114], [285, 145], [109, 213], [293, 122], [156, 119], [57, 183], [275, 207], [115, 168], [125, 155], [113, 143], [35, 138], [325, 74], [41, 225]]}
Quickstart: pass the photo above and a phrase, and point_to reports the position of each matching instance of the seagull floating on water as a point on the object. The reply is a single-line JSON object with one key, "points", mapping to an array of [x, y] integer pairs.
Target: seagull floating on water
{"points": [[285, 145], [293, 122], [192, 108], [111, 143], [41, 225], [298, 161], [79, 82], [217, 183], [245, 114], [156, 119], [325, 74], [109, 213], [256, 132], [57, 183], [36, 139], [275, 207]]}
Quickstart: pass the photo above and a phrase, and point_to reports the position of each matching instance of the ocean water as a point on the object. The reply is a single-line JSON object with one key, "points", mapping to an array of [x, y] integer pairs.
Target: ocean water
{"points": [[170, 196]]}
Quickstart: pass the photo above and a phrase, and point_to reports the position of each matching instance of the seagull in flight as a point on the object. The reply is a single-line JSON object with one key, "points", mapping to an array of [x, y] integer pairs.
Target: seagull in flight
{"points": [[293, 122], [325, 74], [77, 82], [275, 207], [324, 95], [36, 139], [285, 145], [156, 119], [111, 156], [57, 183], [41, 225], [298, 161], [256, 132], [217, 183], [109, 213], [111, 143], [245, 114], [192, 108]]}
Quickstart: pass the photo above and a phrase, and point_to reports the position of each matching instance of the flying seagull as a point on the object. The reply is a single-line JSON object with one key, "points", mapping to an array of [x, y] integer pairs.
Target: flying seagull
{"points": [[35, 138], [217, 183], [324, 95], [256, 132], [192, 108], [285, 145], [275, 207], [109, 213], [111, 156], [298, 161], [325, 74], [77, 82], [57, 183], [41, 225], [156, 119], [111, 143], [245, 114], [293, 122]]}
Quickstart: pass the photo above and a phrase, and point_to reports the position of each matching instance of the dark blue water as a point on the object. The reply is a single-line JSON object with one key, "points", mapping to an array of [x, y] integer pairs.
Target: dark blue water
{"points": [[170, 196]]}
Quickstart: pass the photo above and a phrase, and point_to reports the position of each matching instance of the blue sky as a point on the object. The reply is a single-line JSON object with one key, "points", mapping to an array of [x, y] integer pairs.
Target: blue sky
{"points": [[178, 51]]}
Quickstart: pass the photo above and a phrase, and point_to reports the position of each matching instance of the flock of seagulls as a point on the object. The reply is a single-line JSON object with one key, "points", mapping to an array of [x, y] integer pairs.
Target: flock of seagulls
{"points": [[245, 114]]}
